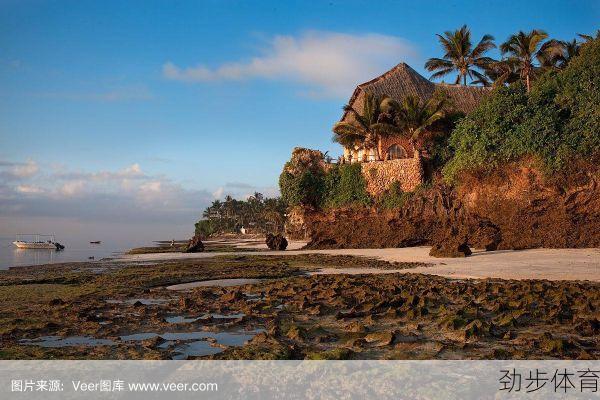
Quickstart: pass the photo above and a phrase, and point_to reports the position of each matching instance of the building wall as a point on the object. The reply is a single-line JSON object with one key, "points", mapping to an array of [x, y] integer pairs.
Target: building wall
{"points": [[379, 175], [384, 145], [386, 142]]}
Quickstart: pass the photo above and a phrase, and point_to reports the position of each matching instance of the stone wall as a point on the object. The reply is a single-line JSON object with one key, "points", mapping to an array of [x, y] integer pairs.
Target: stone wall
{"points": [[379, 175]]}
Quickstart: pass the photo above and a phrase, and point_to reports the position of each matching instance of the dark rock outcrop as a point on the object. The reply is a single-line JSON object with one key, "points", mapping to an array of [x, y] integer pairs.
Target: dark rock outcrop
{"points": [[195, 245], [450, 249], [276, 242]]}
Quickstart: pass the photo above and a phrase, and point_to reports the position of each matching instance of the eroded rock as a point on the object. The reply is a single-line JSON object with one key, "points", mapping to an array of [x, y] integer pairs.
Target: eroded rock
{"points": [[276, 242], [195, 245]]}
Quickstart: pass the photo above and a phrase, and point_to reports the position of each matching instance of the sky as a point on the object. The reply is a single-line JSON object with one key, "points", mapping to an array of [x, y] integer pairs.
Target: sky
{"points": [[129, 118]]}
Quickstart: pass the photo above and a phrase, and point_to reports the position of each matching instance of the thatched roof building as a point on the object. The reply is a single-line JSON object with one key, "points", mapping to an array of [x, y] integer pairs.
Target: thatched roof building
{"points": [[397, 83], [402, 81]]}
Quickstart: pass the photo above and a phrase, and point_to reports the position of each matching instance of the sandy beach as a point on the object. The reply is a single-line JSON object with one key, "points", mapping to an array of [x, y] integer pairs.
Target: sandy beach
{"points": [[550, 264]]}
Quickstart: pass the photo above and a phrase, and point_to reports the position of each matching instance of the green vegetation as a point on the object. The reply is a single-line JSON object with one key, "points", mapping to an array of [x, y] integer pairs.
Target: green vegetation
{"points": [[544, 105], [386, 117], [525, 56], [336, 186], [345, 185], [366, 129], [393, 198], [257, 214], [305, 188], [557, 122]]}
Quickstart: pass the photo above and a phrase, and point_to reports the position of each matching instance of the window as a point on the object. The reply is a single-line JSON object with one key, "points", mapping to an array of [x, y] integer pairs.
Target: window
{"points": [[396, 151]]}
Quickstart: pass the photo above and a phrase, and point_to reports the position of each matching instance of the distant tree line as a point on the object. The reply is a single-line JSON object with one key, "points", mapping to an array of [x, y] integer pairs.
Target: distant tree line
{"points": [[256, 214]]}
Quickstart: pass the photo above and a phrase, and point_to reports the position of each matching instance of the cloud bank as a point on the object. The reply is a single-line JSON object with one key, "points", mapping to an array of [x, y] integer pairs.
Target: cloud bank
{"points": [[127, 195], [125, 203], [330, 64]]}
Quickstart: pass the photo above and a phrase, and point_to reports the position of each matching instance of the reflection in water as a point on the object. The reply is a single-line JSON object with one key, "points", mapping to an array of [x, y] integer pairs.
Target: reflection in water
{"points": [[33, 256]]}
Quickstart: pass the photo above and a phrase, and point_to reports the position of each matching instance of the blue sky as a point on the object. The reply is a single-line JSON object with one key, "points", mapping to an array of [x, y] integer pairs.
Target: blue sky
{"points": [[142, 112]]}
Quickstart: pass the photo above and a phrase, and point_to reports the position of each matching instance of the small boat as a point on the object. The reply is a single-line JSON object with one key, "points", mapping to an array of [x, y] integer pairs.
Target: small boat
{"points": [[96, 242], [48, 244]]}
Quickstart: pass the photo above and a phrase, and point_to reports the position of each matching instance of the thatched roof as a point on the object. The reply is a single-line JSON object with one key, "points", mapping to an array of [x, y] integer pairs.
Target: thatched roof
{"points": [[402, 81]]}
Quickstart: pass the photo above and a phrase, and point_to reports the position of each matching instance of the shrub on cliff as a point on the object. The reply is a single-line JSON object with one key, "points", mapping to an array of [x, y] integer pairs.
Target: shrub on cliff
{"points": [[556, 123], [302, 181], [307, 180], [345, 185], [393, 198], [306, 188], [580, 94]]}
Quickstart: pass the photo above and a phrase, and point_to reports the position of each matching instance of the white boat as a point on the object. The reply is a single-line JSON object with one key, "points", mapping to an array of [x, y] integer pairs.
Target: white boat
{"points": [[40, 242]]}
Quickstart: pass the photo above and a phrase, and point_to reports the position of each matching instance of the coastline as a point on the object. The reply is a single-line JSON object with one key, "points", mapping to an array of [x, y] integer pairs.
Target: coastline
{"points": [[550, 264]]}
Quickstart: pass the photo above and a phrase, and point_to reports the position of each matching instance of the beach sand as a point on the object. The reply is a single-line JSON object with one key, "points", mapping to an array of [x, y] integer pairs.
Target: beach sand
{"points": [[551, 264]]}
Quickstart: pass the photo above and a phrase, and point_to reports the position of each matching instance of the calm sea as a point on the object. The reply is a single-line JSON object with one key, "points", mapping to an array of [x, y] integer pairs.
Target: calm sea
{"points": [[75, 250]]}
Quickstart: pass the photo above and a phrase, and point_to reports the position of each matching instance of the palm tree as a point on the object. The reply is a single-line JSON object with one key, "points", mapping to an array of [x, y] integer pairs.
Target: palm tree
{"points": [[527, 51], [460, 56], [213, 210], [569, 50], [589, 38], [499, 73], [414, 117], [365, 131]]}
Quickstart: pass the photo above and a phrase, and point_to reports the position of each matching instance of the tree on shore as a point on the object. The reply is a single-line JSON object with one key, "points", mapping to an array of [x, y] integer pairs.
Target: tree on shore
{"points": [[461, 57], [261, 214]]}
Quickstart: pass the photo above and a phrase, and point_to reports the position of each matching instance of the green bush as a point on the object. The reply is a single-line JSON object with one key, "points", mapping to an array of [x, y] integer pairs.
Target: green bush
{"points": [[205, 228], [341, 185], [345, 185], [490, 134], [393, 198], [580, 94], [306, 188], [557, 122]]}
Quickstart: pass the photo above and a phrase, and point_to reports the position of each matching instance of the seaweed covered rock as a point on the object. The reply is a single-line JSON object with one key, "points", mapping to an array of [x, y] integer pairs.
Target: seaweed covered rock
{"points": [[276, 242], [195, 245]]}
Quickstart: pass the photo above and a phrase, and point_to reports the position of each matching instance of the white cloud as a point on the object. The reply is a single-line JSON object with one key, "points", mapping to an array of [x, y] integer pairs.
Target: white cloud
{"points": [[24, 170], [154, 186], [72, 188], [330, 63], [218, 194], [29, 189]]}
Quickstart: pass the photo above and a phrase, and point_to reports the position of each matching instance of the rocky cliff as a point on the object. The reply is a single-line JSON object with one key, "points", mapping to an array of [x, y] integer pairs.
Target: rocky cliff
{"points": [[515, 208]]}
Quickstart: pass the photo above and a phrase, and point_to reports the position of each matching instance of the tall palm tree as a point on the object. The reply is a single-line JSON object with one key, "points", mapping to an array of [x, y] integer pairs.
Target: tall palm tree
{"points": [[365, 131], [414, 117], [528, 52], [460, 56]]}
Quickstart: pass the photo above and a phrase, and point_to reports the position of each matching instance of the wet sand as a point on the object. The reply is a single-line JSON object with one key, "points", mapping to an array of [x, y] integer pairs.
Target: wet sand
{"points": [[551, 264]]}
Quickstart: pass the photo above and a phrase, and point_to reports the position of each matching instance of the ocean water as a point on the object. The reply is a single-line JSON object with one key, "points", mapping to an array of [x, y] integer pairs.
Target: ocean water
{"points": [[76, 249]]}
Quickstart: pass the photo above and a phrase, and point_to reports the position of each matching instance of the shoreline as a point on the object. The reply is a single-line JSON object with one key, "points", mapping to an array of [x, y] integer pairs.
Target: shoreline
{"points": [[545, 264]]}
